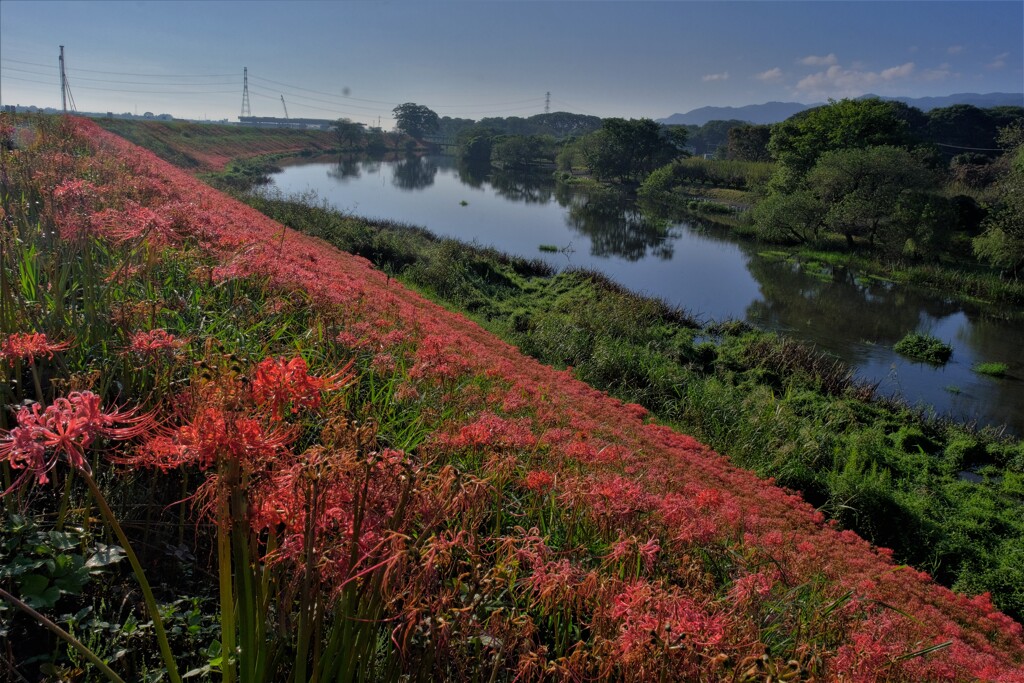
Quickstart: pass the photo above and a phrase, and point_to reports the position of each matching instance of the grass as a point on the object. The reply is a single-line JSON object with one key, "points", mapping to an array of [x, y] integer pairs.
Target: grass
{"points": [[991, 369], [924, 347]]}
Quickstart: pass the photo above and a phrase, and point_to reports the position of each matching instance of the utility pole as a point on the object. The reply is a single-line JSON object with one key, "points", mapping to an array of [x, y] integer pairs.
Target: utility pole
{"points": [[246, 110], [547, 102]]}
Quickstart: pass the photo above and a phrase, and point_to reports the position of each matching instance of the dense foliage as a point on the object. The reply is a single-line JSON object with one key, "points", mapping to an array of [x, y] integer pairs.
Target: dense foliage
{"points": [[380, 489]]}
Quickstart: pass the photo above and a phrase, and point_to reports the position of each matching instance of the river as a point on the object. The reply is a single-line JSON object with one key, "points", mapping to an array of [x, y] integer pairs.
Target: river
{"points": [[700, 269]]}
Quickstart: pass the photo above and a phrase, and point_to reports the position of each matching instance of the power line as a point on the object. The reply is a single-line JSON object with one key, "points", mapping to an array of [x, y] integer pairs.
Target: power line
{"points": [[395, 104], [121, 73], [135, 91]]}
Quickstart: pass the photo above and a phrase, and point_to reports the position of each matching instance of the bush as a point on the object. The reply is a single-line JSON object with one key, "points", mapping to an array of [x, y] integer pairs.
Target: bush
{"points": [[924, 347]]}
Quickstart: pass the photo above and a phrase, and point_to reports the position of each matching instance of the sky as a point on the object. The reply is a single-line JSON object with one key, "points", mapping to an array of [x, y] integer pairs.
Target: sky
{"points": [[474, 59]]}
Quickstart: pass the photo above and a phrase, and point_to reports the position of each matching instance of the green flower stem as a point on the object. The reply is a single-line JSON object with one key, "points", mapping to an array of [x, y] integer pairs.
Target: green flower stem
{"points": [[63, 635], [147, 592]]}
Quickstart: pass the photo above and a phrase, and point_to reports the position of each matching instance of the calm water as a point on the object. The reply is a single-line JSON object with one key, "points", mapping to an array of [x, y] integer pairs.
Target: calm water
{"points": [[698, 269]]}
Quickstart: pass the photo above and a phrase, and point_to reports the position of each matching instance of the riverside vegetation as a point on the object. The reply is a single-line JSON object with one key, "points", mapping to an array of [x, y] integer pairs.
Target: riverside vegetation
{"points": [[326, 477]]}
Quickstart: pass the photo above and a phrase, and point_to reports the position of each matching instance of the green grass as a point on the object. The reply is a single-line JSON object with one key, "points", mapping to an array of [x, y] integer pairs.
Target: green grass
{"points": [[924, 347], [991, 369]]}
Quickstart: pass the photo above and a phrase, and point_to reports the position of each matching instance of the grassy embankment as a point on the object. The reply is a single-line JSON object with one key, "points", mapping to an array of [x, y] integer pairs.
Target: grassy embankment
{"points": [[774, 406], [879, 468], [442, 508]]}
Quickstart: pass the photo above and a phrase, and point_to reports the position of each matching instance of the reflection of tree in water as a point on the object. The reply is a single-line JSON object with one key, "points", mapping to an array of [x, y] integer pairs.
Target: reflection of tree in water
{"points": [[414, 173], [531, 188], [615, 225], [473, 174], [348, 166], [835, 308]]}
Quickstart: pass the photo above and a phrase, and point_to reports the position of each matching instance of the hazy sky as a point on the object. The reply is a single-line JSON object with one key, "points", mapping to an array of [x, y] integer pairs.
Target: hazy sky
{"points": [[488, 58]]}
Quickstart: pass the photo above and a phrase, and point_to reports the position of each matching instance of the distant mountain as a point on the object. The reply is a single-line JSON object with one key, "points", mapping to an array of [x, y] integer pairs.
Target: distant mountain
{"points": [[770, 112], [773, 112]]}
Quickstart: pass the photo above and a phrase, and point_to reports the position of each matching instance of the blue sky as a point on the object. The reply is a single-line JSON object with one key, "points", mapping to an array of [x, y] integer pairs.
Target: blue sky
{"points": [[492, 58]]}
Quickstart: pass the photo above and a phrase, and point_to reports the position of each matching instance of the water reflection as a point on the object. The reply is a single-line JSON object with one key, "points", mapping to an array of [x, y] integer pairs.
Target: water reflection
{"points": [[348, 167], [835, 308], [616, 226], [700, 267], [414, 173]]}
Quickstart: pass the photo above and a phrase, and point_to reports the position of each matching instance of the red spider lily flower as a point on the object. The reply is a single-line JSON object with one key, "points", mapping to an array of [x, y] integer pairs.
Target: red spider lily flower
{"points": [[279, 382], [66, 429], [213, 433], [28, 346], [155, 342], [539, 481]]}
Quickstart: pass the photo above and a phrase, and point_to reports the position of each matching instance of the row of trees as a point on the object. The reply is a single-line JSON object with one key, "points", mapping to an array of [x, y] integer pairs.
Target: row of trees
{"points": [[875, 172], [867, 170]]}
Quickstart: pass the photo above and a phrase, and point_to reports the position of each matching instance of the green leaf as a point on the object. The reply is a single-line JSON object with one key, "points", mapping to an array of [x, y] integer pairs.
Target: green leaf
{"points": [[105, 555], [37, 591], [62, 540]]}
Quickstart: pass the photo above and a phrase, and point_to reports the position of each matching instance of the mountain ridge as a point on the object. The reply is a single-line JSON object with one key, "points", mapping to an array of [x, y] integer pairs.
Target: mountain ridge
{"points": [[775, 111]]}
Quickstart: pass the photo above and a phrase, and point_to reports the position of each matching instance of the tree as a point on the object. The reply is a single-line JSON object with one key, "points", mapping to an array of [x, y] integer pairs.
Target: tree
{"points": [[794, 217], [522, 151], [707, 139], [415, 120], [797, 142], [348, 132], [1002, 242], [861, 187], [629, 150], [748, 142]]}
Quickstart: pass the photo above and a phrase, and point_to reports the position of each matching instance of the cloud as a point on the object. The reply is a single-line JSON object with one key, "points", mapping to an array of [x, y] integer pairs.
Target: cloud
{"points": [[814, 60], [955, 49], [999, 62], [770, 76], [941, 73], [839, 81], [724, 76]]}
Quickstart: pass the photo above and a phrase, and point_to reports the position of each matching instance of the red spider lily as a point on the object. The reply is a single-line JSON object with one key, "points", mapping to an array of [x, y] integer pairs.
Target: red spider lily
{"points": [[683, 491], [279, 382], [210, 434], [539, 481], [66, 428], [28, 346], [134, 222], [155, 342]]}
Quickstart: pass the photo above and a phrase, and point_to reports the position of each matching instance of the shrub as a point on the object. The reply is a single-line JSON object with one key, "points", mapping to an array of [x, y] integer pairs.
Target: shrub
{"points": [[924, 347]]}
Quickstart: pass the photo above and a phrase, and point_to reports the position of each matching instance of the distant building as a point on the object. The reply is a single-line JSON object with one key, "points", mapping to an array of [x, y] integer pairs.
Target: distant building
{"points": [[275, 122]]}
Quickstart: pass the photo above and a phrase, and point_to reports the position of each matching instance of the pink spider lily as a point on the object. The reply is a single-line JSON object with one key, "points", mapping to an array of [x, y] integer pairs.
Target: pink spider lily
{"points": [[66, 428], [29, 346]]}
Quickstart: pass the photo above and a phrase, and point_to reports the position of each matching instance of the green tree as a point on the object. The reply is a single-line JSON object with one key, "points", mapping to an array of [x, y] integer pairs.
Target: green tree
{"points": [[1002, 242], [791, 217], [415, 120], [797, 142], [629, 150], [348, 133], [522, 151], [861, 187], [748, 142]]}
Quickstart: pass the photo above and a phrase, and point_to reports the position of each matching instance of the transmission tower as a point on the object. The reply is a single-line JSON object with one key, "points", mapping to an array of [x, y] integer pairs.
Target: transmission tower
{"points": [[246, 110], [285, 106], [65, 87]]}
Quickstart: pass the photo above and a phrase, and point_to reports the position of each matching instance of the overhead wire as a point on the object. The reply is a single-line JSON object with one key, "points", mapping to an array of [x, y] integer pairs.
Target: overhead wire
{"points": [[337, 103]]}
